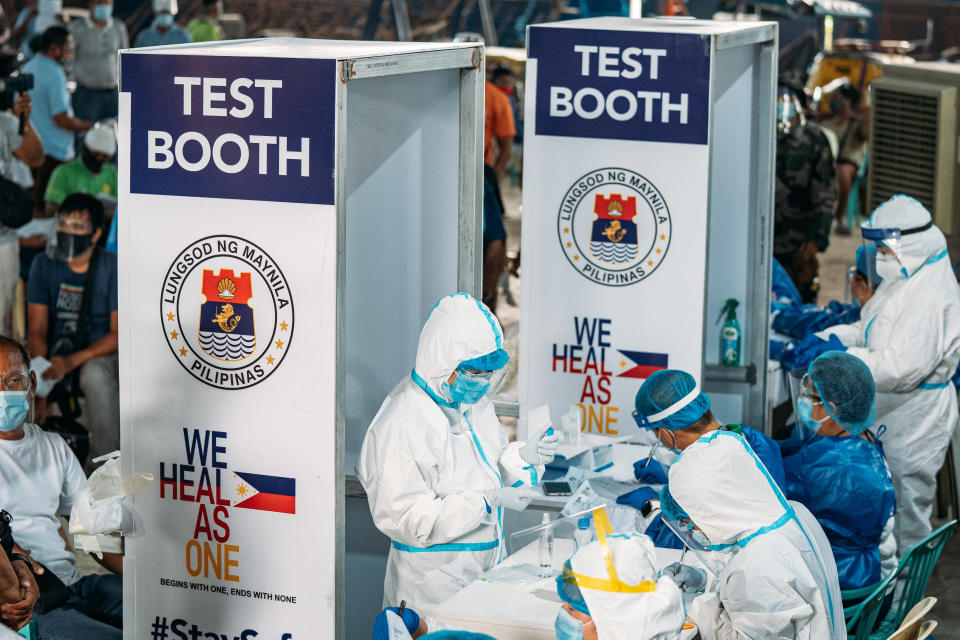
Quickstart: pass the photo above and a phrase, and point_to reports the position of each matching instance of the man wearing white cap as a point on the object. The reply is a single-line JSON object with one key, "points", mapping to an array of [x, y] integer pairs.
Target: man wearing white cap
{"points": [[163, 30], [89, 173]]}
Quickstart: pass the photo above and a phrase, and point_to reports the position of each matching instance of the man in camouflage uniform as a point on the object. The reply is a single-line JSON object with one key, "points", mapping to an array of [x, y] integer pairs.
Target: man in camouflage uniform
{"points": [[805, 195]]}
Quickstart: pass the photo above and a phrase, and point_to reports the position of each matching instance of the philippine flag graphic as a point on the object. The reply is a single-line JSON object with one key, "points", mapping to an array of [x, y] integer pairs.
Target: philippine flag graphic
{"points": [[646, 363], [265, 493]]}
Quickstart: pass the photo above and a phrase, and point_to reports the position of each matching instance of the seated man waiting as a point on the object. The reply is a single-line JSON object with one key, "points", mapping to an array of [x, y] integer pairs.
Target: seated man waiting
{"points": [[40, 479], [839, 472], [72, 317]]}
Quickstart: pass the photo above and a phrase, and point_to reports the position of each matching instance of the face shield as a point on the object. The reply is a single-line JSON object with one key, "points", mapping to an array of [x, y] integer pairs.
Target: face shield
{"points": [[789, 112], [890, 263], [74, 237], [805, 400], [473, 388]]}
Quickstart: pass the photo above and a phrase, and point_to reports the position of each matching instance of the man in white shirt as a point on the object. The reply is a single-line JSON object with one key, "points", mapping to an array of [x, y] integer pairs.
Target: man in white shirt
{"points": [[40, 478]]}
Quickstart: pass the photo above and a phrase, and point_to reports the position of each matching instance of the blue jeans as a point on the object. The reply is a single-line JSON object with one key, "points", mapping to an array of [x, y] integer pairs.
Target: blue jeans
{"points": [[93, 612]]}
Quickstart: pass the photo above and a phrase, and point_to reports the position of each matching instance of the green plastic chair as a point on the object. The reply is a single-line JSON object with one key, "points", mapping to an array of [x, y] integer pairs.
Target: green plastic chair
{"points": [[30, 631], [916, 567]]}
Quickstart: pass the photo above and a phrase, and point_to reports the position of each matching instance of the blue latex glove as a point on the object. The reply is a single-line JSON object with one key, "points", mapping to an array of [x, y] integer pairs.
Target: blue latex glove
{"points": [[661, 535], [381, 629], [652, 473], [638, 497], [689, 579], [801, 354]]}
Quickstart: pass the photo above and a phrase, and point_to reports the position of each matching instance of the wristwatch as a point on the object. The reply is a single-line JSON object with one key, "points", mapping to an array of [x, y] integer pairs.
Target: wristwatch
{"points": [[22, 558]]}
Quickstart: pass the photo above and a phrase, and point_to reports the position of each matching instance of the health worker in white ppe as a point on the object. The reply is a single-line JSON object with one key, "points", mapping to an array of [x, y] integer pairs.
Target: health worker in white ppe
{"points": [[774, 572], [436, 464], [909, 337], [611, 590]]}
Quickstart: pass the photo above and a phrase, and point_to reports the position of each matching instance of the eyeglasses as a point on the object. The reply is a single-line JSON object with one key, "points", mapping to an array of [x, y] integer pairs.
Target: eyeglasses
{"points": [[74, 226], [16, 382]]}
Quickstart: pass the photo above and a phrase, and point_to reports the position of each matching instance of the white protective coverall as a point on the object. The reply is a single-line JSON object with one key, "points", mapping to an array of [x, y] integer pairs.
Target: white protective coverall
{"points": [[909, 337], [627, 600], [780, 579], [424, 466]]}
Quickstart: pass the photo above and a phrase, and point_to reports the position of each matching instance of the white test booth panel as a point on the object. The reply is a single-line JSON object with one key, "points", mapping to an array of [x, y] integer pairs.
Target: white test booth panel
{"points": [[647, 202], [292, 211]]}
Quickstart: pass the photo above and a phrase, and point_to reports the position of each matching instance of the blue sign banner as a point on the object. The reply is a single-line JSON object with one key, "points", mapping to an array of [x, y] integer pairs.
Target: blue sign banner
{"points": [[622, 85], [231, 127]]}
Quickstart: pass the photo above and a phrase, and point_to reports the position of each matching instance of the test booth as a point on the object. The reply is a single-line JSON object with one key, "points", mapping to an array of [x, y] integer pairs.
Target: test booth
{"points": [[291, 211], [647, 204]]}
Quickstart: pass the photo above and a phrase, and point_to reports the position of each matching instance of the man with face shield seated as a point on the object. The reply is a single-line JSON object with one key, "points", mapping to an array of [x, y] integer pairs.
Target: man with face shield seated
{"points": [[436, 464], [72, 317], [774, 575], [839, 471]]}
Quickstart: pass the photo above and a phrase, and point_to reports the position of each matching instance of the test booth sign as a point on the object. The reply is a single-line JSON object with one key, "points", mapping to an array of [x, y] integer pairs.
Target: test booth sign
{"points": [[613, 224], [235, 188], [648, 165]]}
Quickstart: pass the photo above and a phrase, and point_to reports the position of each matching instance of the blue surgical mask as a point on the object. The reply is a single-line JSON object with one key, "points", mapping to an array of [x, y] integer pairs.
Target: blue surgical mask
{"points": [[14, 406], [467, 388], [165, 20], [805, 417], [102, 12], [567, 627]]}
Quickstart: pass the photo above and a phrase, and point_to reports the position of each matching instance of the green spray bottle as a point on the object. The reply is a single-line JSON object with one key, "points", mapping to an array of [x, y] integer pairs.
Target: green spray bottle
{"points": [[730, 335]]}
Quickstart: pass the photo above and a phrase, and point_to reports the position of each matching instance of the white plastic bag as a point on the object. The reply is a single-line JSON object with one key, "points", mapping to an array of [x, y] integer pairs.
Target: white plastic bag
{"points": [[99, 507]]}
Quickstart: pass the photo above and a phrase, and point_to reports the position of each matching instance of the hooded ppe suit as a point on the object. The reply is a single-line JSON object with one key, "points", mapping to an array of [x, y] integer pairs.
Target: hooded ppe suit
{"points": [[424, 464], [779, 579], [615, 581], [909, 337]]}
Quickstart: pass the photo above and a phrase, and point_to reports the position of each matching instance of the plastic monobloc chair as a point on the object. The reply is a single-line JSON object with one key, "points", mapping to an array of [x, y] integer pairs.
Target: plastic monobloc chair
{"points": [[915, 567]]}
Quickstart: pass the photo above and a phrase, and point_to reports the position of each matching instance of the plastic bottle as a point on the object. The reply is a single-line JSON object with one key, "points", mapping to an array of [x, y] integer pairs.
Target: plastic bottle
{"points": [[730, 335], [545, 559], [583, 535]]}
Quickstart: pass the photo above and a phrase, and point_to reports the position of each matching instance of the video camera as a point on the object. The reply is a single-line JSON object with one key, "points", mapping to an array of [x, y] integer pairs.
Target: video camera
{"points": [[12, 85]]}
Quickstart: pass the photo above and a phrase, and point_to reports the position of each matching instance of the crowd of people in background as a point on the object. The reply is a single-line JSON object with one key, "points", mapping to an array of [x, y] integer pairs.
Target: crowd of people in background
{"points": [[58, 301]]}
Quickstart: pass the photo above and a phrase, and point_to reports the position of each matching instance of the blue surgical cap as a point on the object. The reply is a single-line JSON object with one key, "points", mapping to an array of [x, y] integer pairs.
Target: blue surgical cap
{"points": [[669, 507], [670, 399], [846, 387]]}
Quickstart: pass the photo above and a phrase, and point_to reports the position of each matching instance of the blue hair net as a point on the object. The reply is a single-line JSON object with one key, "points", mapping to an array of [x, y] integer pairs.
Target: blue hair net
{"points": [[493, 361], [569, 590], [669, 507], [669, 399], [847, 389]]}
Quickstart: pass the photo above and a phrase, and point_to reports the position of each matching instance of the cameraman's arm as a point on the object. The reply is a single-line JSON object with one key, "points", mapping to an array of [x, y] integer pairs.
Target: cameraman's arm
{"points": [[30, 151], [68, 122]]}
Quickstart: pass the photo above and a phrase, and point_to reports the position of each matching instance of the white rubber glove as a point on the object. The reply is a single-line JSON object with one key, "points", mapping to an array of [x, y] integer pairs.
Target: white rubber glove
{"points": [[541, 448], [512, 498]]}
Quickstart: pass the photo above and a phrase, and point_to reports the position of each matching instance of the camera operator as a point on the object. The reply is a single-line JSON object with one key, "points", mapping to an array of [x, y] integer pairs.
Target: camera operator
{"points": [[18, 587], [18, 154]]}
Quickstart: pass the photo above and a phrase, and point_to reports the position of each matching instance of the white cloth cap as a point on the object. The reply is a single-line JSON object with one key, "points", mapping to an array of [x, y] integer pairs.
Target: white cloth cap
{"points": [[160, 6], [903, 212], [101, 139]]}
